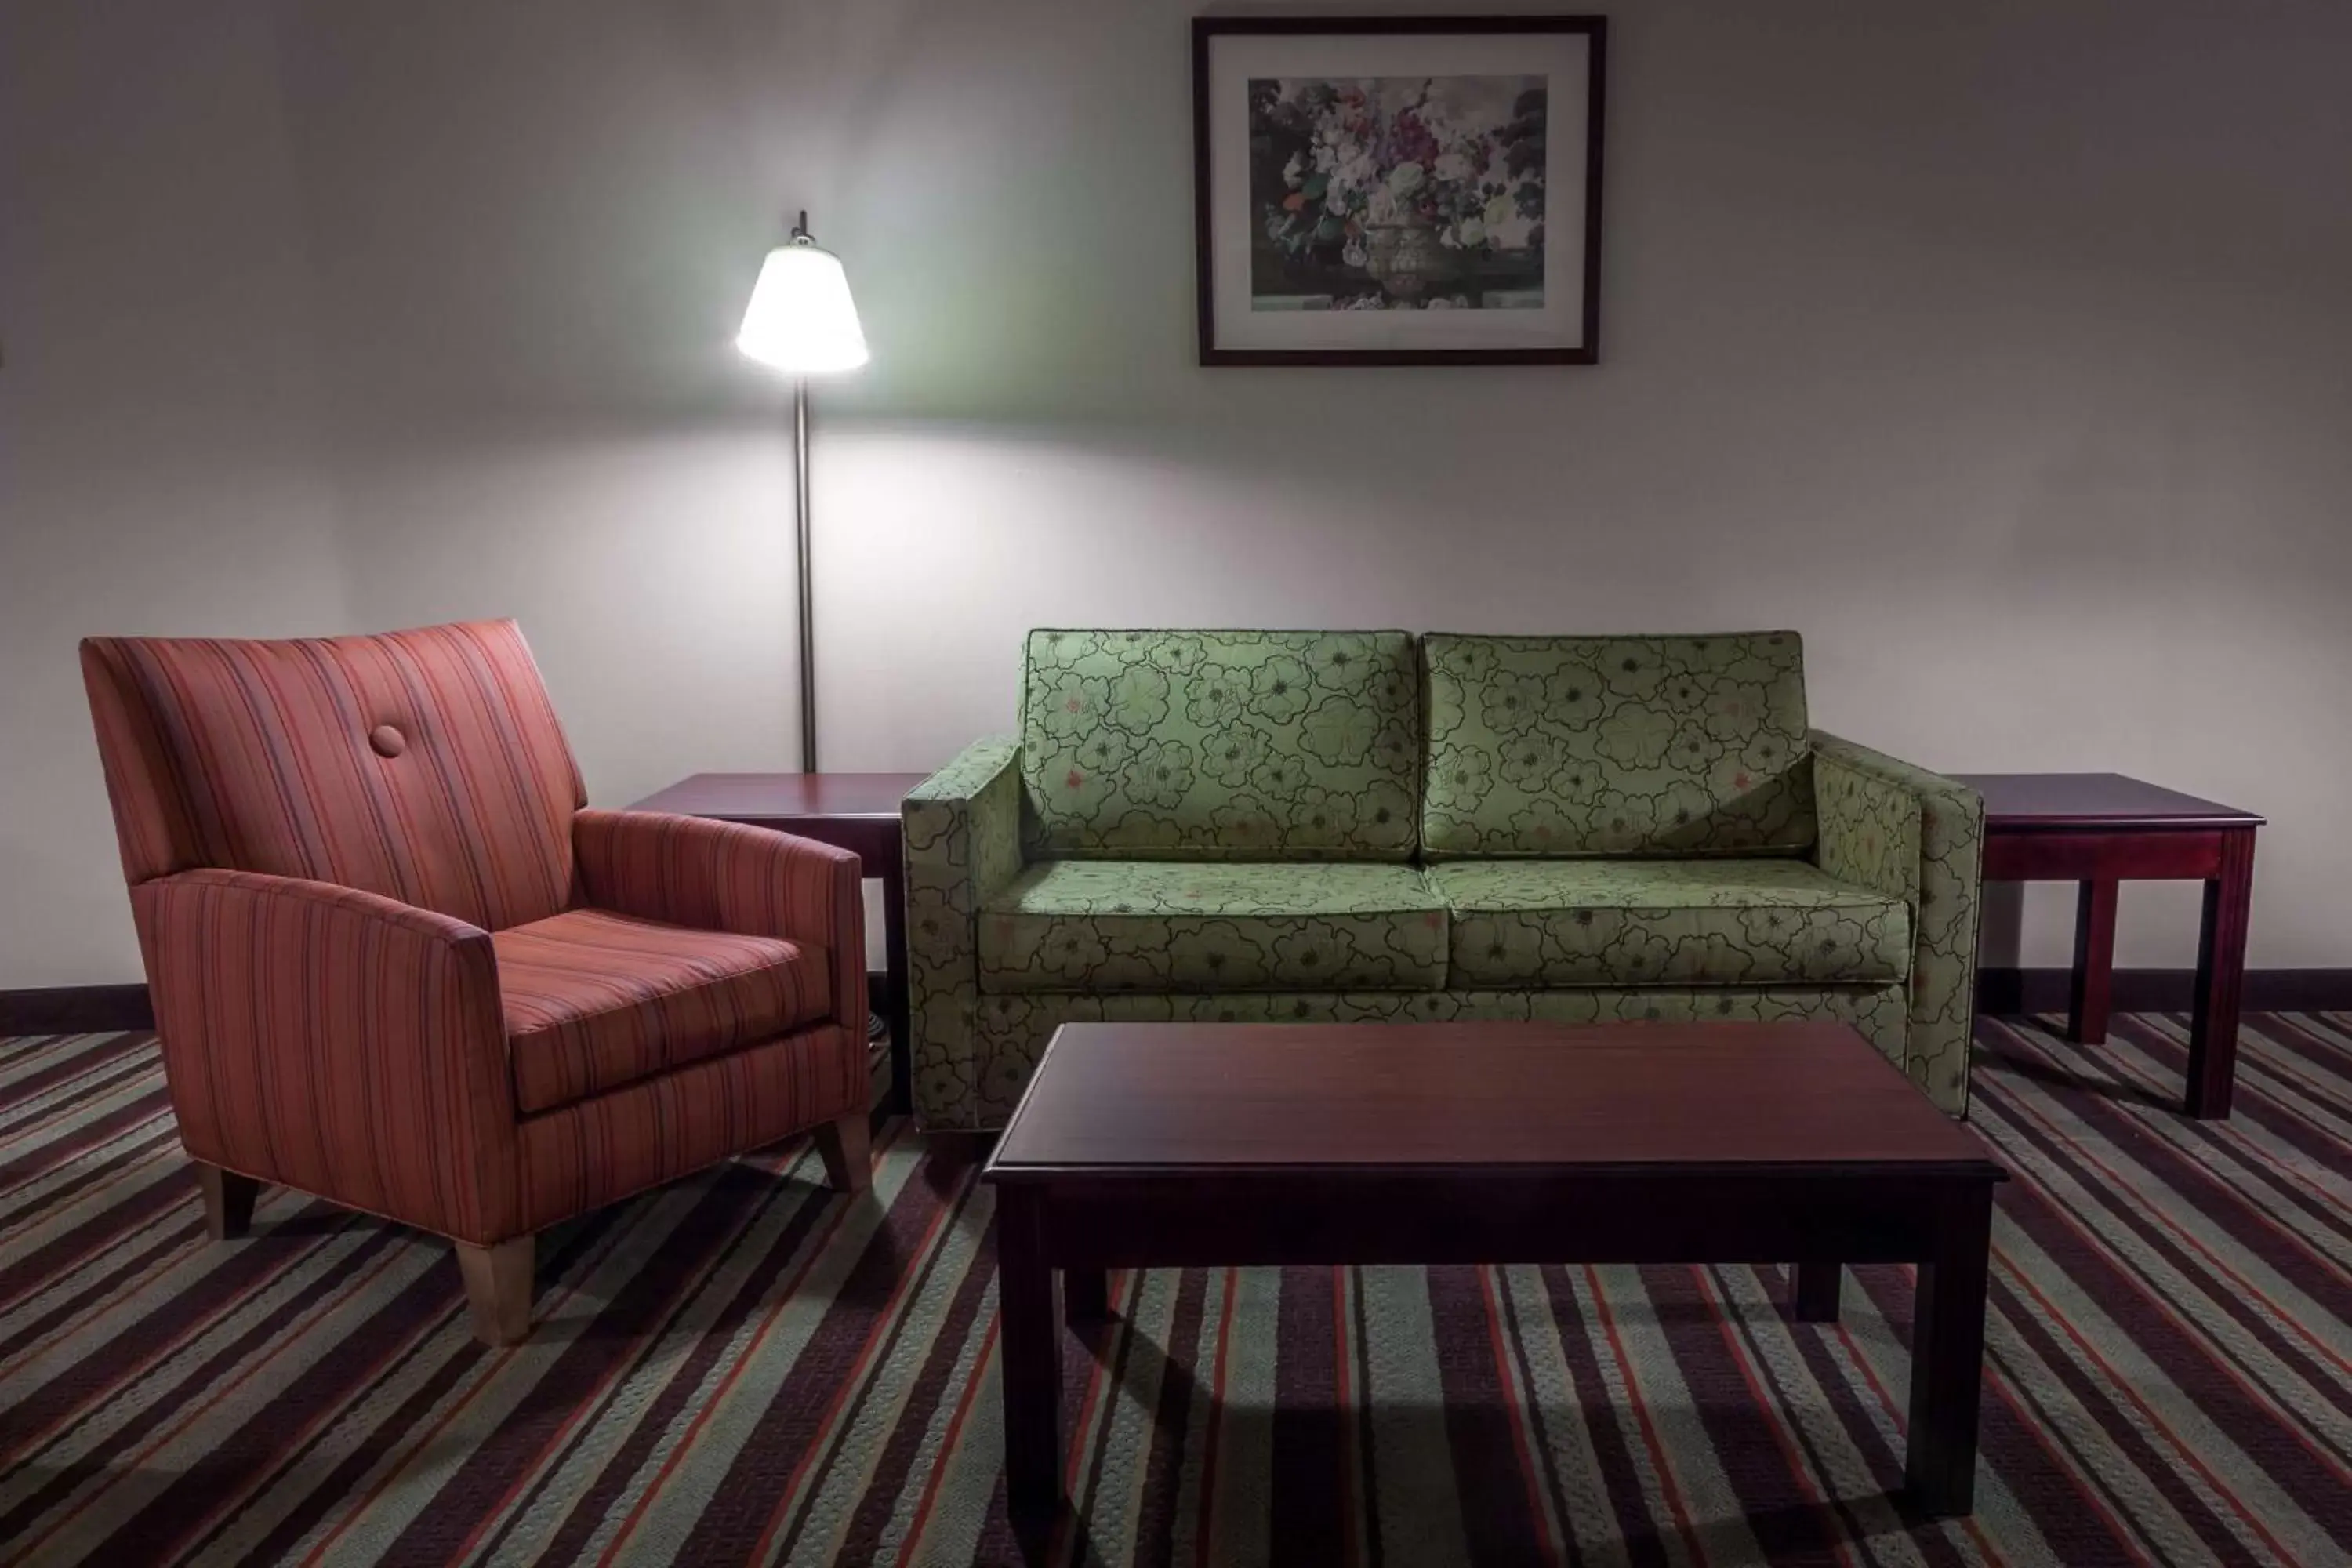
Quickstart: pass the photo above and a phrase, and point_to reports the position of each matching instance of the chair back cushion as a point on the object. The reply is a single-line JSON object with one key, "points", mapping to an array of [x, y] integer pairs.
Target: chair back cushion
{"points": [[426, 766], [1685, 745], [1220, 745]]}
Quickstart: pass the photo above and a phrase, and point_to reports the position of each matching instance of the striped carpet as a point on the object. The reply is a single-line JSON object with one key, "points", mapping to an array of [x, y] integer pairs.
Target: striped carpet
{"points": [[745, 1367]]}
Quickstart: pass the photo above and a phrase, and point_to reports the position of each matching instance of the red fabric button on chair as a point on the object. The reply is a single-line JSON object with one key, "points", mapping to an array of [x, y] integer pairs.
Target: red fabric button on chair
{"points": [[387, 741]]}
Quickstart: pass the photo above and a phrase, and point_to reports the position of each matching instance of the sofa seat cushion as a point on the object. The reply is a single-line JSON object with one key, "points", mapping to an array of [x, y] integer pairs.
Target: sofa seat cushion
{"points": [[1667, 922], [1172, 927], [596, 1000]]}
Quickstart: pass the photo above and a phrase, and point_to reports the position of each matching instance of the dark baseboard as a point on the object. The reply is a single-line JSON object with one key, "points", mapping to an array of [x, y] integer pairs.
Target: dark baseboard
{"points": [[75, 1010], [2003, 990]]}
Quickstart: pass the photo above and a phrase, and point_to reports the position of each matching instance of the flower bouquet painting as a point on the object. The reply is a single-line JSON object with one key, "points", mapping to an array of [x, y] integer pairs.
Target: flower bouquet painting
{"points": [[1398, 190]]}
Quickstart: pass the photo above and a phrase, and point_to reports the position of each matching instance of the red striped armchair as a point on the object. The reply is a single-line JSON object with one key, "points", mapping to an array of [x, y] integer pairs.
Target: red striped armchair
{"points": [[397, 964]]}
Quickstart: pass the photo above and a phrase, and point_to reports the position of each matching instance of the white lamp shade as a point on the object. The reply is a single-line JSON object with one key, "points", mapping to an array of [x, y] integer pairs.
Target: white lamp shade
{"points": [[801, 319]]}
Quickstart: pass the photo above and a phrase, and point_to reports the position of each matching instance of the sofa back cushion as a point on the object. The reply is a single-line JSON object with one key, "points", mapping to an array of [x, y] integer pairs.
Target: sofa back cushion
{"points": [[1685, 745], [1220, 745], [423, 765]]}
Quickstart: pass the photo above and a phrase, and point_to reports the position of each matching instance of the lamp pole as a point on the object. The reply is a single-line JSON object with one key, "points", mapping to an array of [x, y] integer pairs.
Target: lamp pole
{"points": [[808, 595]]}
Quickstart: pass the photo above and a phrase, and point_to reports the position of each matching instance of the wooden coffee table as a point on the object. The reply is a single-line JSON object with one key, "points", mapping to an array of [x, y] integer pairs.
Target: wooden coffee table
{"points": [[1202, 1144]]}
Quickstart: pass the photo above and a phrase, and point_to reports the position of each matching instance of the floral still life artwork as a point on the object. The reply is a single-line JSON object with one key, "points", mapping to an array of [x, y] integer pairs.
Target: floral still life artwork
{"points": [[1398, 192]]}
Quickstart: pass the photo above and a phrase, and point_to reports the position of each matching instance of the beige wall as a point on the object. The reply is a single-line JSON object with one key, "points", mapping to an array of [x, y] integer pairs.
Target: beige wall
{"points": [[1999, 348], [161, 467]]}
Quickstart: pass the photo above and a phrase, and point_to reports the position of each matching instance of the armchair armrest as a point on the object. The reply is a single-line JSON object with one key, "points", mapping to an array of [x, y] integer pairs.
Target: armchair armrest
{"points": [[1917, 836], [961, 827], [728, 875], [335, 1041]]}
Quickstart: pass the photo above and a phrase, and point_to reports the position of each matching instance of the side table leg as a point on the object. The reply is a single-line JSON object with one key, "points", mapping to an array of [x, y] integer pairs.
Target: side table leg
{"points": [[1029, 1352], [1947, 1356], [2221, 979], [894, 987], [2095, 962], [1817, 1291], [1085, 1295]]}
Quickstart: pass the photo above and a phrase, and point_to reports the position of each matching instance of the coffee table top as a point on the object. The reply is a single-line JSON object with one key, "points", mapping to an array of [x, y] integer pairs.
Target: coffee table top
{"points": [[754, 797], [1181, 1097], [2026, 802]]}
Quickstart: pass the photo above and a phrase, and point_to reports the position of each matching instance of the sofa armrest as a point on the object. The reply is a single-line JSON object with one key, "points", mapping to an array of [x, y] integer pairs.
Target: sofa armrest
{"points": [[962, 833], [335, 1041], [1919, 837], [705, 875]]}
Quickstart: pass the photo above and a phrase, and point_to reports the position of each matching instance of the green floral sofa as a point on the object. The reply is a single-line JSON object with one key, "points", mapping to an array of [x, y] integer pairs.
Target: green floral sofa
{"points": [[1350, 826]]}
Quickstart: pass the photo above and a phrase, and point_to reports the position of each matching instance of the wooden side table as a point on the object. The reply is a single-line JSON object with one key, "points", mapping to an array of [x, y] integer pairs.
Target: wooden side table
{"points": [[856, 812], [2101, 829]]}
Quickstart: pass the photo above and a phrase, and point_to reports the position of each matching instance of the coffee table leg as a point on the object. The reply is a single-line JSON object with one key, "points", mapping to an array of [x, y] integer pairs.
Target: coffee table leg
{"points": [[1085, 1295], [2095, 962], [2220, 977], [1817, 1291], [1030, 1353], [1947, 1356]]}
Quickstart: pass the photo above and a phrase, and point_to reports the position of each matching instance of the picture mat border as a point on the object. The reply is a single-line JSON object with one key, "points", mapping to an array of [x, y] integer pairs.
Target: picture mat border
{"points": [[1240, 326]]}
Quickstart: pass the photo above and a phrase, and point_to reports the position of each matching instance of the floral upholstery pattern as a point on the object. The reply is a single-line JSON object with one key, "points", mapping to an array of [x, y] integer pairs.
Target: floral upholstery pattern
{"points": [[1759, 870], [1616, 746], [1667, 922], [1013, 1028], [1222, 745], [962, 829], [1916, 836], [1160, 925]]}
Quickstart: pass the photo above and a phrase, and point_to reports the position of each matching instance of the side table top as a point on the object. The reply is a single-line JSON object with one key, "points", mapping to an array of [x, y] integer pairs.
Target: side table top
{"points": [[2026, 802], [1378, 1098], [758, 797]]}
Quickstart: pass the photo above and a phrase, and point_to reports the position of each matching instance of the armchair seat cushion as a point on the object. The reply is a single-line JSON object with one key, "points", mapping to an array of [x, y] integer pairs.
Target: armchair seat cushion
{"points": [[1570, 922], [596, 1000], [1178, 927]]}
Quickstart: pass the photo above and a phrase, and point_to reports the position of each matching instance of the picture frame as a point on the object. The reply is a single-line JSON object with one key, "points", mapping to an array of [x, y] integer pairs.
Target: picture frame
{"points": [[1398, 190]]}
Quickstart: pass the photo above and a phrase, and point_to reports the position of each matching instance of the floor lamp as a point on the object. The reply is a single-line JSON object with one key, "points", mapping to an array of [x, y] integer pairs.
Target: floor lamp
{"points": [[800, 321]]}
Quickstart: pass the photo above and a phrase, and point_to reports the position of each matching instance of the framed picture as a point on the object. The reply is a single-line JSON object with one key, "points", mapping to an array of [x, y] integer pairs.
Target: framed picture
{"points": [[1398, 190]]}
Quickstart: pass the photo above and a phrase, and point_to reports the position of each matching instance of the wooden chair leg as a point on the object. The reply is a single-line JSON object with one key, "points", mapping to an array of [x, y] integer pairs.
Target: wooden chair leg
{"points": [[846, 1144], [498, 1288], [228, 1201]]}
